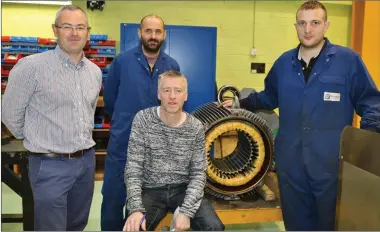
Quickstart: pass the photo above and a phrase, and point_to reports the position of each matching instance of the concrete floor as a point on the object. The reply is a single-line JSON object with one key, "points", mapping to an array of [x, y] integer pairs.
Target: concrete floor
{"points": [[11, 203]]}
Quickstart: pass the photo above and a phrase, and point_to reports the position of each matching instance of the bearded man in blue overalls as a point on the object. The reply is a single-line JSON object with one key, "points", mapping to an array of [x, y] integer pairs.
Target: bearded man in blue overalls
{"points": [[131, 86]]}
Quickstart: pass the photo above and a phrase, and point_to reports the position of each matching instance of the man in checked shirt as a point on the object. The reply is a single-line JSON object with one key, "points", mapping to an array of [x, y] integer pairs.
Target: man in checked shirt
{"points": [[50, 104]]}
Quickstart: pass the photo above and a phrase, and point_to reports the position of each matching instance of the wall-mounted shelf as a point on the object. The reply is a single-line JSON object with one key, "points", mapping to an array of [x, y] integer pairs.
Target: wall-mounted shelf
{"points": [[101, 130], [28, 44], [98, 152], [18, 52], [100, 55]]}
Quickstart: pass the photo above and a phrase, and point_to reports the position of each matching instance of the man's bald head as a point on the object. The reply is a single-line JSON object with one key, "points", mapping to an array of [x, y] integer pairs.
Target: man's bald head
{"points": [[152, 33], [152, 16]]}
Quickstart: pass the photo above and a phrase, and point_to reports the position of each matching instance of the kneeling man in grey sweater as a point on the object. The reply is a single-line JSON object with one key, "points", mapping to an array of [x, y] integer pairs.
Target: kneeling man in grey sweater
{"points": [[166, 164]]}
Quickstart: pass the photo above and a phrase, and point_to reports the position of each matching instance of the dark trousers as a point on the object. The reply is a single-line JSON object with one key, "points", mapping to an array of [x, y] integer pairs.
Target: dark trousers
{"points": [[114, 196], [158, 201], [62, 191], [308, 205]]}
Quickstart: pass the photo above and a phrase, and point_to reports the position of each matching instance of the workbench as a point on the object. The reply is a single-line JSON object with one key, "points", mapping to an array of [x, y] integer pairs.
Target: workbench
{"points": [[11, 154], [239, 212], [249, 210]]}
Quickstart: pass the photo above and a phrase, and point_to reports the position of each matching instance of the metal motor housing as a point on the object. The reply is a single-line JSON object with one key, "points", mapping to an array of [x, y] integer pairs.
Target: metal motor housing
{"points": [[243, 170]]}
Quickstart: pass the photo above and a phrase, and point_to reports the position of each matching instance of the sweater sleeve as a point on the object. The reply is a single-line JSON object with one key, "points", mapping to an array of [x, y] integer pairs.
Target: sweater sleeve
{"points": [[197, 172], [134, 166]]}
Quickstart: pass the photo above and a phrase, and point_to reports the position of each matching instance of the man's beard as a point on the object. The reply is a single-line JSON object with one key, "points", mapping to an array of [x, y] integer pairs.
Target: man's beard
{"points": [[149, 49]]}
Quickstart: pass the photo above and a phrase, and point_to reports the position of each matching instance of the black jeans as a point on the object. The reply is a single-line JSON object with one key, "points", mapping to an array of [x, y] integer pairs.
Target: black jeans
{"points": [[158, 201]]}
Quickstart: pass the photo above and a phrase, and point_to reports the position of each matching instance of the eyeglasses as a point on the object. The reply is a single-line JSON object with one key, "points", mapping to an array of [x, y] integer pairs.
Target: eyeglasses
{"points": [[69, 28]]}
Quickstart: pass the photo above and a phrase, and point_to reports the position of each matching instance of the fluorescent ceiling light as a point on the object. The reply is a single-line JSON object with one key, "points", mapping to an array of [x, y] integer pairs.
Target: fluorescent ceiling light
{"points": [[41, 2]]}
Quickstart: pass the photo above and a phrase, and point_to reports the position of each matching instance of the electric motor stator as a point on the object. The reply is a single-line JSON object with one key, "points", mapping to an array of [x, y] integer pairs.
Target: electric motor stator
{"points": [[241, 168]]}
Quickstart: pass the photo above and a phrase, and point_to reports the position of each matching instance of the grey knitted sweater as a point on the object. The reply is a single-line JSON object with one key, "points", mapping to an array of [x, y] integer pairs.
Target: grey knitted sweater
{"points": [[159, 155]]}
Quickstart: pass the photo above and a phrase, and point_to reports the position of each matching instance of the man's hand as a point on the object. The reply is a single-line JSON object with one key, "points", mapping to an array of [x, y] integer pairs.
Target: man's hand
{"points": [[134, 221], [182, 222], [226, 103]]}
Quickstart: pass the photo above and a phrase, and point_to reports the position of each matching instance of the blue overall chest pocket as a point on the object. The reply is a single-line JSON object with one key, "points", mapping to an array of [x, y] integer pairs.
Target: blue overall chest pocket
{"points": [[335, 84], [332, 101], [338, 80]]}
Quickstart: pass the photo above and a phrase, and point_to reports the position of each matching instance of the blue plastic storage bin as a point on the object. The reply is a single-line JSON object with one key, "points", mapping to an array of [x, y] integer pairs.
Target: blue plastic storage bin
{"points": [[98, 37]]}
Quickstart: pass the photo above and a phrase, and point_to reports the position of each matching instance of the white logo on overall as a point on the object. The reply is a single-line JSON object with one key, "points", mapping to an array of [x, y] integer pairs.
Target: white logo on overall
{"points": [[331, 96]]}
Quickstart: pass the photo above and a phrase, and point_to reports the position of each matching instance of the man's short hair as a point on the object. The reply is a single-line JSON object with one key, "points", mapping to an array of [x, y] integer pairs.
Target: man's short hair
{"points": [[69, 8], [312, 5], [152, 16], [173, 74]]}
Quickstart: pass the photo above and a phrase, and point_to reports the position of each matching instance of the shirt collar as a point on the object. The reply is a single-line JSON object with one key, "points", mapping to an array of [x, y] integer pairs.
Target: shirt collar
{"points": [[300, 47], [65, 57]]}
